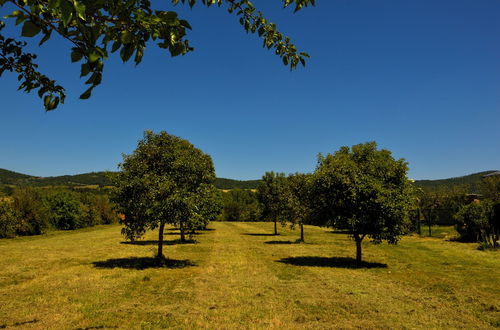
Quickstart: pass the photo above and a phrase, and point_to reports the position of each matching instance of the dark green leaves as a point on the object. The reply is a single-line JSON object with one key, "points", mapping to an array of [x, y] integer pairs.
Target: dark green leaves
{"points": [[66, 9], [76, 55], [14, 59], [94, 27], [30, 29]]}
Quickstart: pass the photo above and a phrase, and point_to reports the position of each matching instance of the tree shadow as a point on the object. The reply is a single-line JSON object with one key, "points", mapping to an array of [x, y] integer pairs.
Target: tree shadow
{"points": [[140, 263], [340, 231], [259, 234], [98, 327], [18, 324], [335, 262], [282, 242], [154, 242], [186, 233]]}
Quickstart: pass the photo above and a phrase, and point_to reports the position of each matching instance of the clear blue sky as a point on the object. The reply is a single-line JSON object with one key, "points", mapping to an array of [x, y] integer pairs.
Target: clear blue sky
{"points": [[420, 77]]}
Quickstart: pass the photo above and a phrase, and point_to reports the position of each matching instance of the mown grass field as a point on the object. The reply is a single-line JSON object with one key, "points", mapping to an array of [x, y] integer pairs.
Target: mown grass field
{"points": [[239, 276]]}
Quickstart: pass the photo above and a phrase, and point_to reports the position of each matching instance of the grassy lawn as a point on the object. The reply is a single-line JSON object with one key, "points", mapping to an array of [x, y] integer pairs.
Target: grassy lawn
{"points": [[446, 232], [239, 276]]}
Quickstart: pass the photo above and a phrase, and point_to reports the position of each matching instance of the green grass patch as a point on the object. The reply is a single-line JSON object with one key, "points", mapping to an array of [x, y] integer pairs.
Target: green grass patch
{"points": [[240, 276]]}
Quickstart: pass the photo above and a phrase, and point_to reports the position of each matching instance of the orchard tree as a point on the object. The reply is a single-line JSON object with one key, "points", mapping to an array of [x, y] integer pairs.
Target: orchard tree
{"points": [[271, 193], [436, 204], [96, 28], [429, 202], [478, 219], [364, 191], [490, 188], [166, 180], [297, 201], [208, 206]]}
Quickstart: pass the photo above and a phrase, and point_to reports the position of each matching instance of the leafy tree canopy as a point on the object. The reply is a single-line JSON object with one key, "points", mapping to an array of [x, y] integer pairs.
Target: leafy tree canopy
{"points": [[298, 201], [271, 196], [96, 28], [364, 191], [165, 180]]}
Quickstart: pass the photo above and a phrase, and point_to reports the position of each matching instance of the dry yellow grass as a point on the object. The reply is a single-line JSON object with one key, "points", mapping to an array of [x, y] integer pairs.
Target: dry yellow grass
{"points": [[237, 276]]}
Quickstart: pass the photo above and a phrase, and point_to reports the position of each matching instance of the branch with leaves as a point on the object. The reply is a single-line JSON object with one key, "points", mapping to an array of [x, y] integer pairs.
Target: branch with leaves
{"points": [[97, 28]]}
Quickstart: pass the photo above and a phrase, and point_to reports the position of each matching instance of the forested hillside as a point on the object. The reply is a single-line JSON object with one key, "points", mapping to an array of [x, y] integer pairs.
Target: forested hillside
{"points": [[472, 181], [96, 178], [222, 183], [99, 178]]}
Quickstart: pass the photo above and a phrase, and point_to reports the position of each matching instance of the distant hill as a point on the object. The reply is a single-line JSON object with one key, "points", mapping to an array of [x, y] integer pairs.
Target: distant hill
{"points": [[99, 178], [96, 178], [18, 179], [9, 177], [222, 183], [472, 181]]}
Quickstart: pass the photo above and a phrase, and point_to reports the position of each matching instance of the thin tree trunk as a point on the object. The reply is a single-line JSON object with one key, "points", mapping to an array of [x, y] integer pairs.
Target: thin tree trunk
{"points": [[302, 232], [183, 236], [358, 251], [275, 227], [429, 223], [160, 241], [358, 241], [419, 229]]}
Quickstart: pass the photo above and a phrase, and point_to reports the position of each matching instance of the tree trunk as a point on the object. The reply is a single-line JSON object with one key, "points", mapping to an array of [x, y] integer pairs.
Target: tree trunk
{"points": [[160, 241], [419, 228], [429, 223], [275, 227], [358, 241], [183, 236], [358, 252], [302, 232]]}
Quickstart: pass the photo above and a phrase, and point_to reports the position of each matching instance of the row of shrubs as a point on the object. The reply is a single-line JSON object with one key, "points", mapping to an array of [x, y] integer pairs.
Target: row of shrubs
{"points": [[32, 211]]}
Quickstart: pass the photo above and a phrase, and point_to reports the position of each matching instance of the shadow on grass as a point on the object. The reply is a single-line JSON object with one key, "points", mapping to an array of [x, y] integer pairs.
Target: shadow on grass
{"points": [[18, 324], [143, 263], [187, 233], [154, 242], [335, 262], [285, 242], [259, 234], [98, 327], [338, 231]]}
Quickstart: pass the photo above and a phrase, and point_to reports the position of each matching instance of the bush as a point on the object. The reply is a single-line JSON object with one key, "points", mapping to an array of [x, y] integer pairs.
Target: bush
{"points": [[7, 219], [98, 209], [479, 222], [31, 213], [240, 205], [105, 209], [67, 212]]}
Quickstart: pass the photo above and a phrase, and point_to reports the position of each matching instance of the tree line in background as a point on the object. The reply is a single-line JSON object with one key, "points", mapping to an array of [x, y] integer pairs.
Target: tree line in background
{"points": [[33, 211]]}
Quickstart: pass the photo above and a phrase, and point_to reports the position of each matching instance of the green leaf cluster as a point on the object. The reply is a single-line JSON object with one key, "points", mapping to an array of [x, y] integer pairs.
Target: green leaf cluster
{"points": [[96, 28], [13, 58]]}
